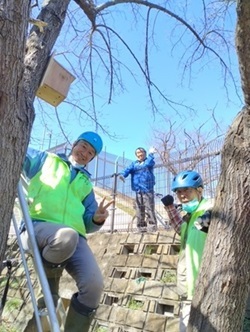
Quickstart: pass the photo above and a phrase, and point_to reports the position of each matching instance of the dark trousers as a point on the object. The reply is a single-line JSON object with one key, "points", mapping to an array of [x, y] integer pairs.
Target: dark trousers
{"points": [[246, 323], [145, 209]]}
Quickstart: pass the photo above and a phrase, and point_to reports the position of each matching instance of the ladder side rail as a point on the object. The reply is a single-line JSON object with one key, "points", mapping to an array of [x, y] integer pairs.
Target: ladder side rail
{"points": [[38, 262], [26, 269]]}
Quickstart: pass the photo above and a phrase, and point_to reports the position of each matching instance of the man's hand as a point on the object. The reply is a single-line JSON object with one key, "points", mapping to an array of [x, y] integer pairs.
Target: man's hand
{"points": [[102, 213], [152, 150], [122, 178], [167, 200]]}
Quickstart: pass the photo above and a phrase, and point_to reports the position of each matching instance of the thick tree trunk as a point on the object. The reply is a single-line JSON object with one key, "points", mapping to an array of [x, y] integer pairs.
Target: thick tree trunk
{"points": [[15, 120], [224, 279], [223, 283], [242, 41], [22, 64]]}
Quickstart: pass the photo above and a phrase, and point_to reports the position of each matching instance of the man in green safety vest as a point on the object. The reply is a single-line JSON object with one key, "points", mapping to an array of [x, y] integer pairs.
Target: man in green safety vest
{"points": [[63, 209]]}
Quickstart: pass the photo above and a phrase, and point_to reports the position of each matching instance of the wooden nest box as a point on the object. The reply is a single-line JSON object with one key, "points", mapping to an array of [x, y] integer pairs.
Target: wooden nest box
{"points": [[55, 83]]}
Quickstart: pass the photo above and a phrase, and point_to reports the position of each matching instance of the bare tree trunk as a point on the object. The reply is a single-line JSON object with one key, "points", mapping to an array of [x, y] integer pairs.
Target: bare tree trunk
{"points": [[223, 284], [15, 120], [22, 64]]}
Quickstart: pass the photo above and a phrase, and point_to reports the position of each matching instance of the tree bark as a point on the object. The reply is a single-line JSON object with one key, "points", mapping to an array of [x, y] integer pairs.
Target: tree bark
{"points": [[242, 42], [22, 64], [13, 26], [223, 284]]}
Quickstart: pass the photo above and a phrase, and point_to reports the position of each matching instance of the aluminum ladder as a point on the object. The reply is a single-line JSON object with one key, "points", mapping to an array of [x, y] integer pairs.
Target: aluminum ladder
{"points": [[49, 314]]}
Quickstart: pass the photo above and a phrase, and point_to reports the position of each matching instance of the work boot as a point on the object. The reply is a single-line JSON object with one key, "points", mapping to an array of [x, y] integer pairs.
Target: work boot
{"points": [[246, 325], [79, 316], [53, 273]]}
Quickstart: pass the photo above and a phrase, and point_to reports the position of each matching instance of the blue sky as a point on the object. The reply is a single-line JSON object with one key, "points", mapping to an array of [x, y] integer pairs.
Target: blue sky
{"points": [[129, 116]]}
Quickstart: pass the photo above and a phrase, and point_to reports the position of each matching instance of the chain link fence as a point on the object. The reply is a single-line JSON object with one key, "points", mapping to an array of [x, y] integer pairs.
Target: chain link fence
{"points": [[122, 214]]}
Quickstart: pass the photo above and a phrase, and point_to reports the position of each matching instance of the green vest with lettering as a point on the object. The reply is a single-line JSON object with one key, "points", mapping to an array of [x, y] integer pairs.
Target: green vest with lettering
{"points": [[53, 198], [192, 245]]}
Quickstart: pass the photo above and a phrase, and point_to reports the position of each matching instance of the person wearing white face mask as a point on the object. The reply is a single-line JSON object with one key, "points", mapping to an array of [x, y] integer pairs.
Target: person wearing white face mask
{"points": [[192, 227], [63, 209]]}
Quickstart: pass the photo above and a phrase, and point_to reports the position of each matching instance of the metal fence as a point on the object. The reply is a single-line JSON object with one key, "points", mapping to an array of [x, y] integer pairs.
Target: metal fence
{"points": [[107, 167], [205, 160]]}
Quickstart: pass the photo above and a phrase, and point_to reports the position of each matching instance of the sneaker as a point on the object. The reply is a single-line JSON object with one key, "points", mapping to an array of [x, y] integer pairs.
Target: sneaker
{"points": [[152, 228], [142, 229]]}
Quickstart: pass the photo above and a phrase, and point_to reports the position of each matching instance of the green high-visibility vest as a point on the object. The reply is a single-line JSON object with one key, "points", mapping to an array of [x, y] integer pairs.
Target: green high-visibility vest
{"points": [[192, 246], [54, 198]]}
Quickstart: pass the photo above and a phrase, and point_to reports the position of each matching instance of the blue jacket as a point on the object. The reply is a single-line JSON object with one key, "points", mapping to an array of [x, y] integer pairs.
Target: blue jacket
{"points": [[142, 174], [34, 163]]}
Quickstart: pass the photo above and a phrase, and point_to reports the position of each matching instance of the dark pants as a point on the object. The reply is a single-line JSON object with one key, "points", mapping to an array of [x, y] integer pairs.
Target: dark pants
{"points": [[145, 209], [246, 323]]}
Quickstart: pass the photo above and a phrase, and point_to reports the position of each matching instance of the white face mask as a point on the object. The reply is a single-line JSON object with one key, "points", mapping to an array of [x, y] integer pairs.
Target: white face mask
{"points": [[191, 206], [73, 162]]}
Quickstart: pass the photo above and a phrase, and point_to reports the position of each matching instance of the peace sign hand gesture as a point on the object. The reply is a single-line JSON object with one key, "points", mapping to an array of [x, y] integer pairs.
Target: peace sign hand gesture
{"points": [[102, 213]]}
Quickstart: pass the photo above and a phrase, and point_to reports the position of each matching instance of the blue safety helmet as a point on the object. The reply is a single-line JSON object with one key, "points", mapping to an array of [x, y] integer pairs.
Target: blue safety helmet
{"points": [[187, 179], [93, 139]]}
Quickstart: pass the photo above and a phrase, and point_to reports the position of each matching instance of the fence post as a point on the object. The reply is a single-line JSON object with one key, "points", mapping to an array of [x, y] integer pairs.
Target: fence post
{"points": [[115, 175], [96, 169]]}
